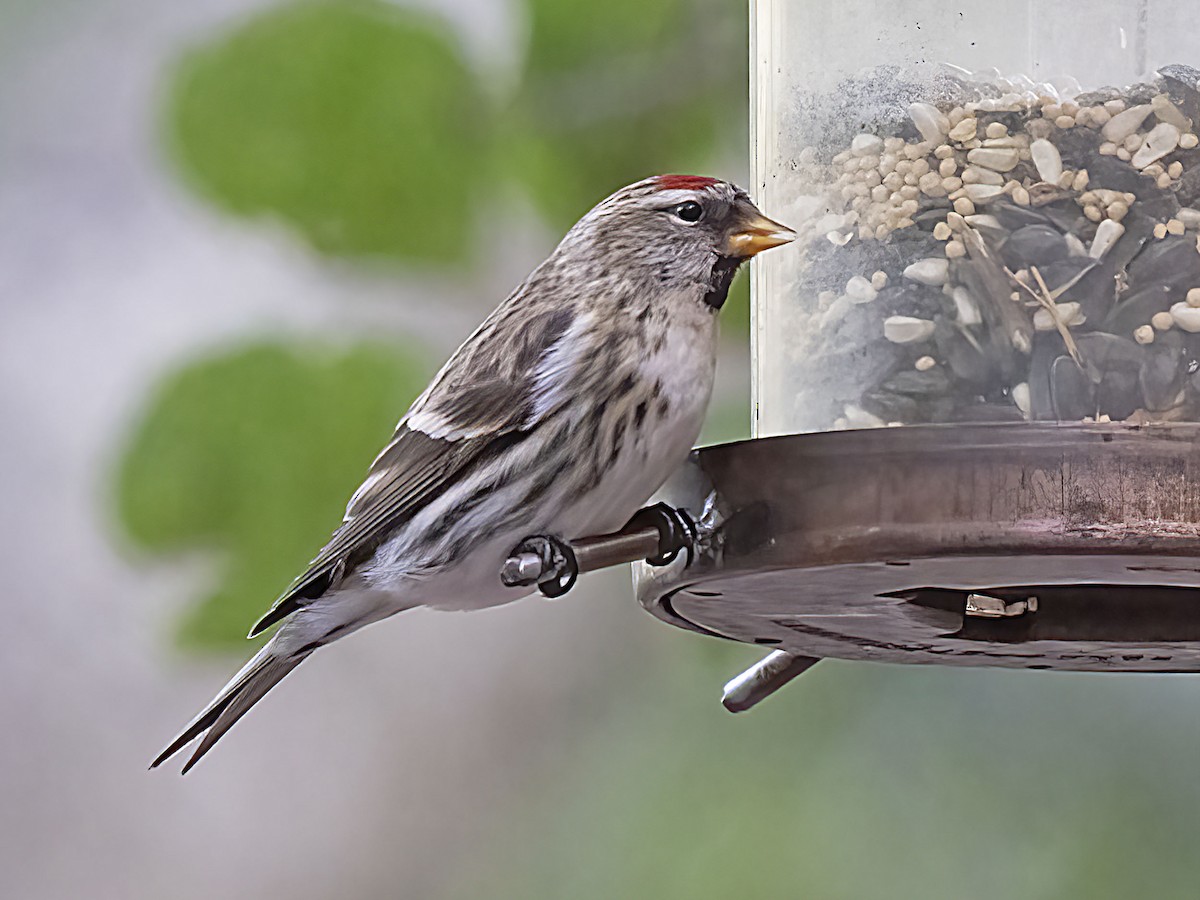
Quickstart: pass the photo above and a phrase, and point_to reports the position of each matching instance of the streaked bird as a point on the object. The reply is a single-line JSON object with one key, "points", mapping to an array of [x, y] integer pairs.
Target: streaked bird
{"points": [[564, 411]]}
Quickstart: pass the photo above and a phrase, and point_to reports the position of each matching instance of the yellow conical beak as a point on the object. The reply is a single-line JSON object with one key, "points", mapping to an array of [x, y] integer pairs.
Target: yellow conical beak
{"points": [[756, 233]]}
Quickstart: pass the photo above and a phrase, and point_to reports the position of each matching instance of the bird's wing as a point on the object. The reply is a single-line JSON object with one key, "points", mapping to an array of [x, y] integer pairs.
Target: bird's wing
{"points": [[493, 392]]}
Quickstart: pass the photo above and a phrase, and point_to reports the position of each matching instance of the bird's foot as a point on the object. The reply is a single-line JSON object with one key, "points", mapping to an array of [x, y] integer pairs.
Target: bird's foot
{"points": [[677, 532], [544, 560], [553, 565]]}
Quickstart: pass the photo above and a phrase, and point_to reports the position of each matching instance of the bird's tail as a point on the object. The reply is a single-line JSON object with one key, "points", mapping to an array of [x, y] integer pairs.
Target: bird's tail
{"points": [[265, 670]]}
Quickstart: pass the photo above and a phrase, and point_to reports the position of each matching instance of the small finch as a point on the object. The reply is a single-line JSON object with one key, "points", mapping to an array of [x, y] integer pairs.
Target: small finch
{"points": [[564, 411]]}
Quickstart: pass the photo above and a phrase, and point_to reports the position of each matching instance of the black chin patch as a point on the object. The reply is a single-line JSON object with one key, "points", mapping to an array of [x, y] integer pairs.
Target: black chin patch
{"points": [[722, 276]]}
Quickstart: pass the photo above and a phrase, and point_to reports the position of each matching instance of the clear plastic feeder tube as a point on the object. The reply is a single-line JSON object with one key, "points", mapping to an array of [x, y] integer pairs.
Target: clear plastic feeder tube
{"points": [[998, 206]]}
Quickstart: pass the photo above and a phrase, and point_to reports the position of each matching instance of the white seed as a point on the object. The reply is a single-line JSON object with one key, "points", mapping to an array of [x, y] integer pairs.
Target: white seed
{"points": [[1107, 234], [1065, 122], [1175, 169], [1051, 110], [1189, 217], [1175, 227], [857, 417], [964, 130], [1125, 123], [996, 130], [1080, 182], [944, 151], [1186, 316], [1047, 160], [1162, 321], [964, 207], [982, 193], [1021, 197], [1117, 210], [1163, 181], [1160, 230], [980, 175], [866, 145], [998, 159], [1168, 112], [1043, 319], [1159, 142], [907, 329], [1098, 116], [1114, 107], [967, 308], [925, 363], [859, 290], [1067, 179], [932, 124], [1020, 396], [941, 231], [929, 182], [1093, 213], [1124, 155], [931, 271], [1144, 334], [985, 222], [951, 184], [947, 167], [1193, 297], [1108, 148], [1134, 142], [955, 249], [838, 238], [1189, 141]]}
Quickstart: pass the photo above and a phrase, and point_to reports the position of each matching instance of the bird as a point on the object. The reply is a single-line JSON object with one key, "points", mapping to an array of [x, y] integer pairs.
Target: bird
{"points": [[561, 414]]}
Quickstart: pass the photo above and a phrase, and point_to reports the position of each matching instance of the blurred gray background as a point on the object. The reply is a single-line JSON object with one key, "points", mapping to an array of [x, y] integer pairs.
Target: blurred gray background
{"points": [[235, 239]]}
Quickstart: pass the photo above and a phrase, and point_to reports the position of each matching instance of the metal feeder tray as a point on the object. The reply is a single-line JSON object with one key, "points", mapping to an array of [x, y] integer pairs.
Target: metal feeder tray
{"points": [[1034, 546]]}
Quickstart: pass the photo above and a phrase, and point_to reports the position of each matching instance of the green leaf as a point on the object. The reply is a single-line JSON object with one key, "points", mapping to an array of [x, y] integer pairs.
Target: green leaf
{"points": [[355, 121], [252, 455], [614, 92]]}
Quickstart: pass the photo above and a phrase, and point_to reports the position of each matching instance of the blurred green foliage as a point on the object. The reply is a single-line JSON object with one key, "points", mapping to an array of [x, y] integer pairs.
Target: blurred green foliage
{"points": [[251, 454], [858, 781], [361, 125], [613, 92]]}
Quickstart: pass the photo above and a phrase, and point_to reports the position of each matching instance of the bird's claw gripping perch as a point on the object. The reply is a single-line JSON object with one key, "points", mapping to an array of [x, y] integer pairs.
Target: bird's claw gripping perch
{"points": [[543, 560], [657, 534]]}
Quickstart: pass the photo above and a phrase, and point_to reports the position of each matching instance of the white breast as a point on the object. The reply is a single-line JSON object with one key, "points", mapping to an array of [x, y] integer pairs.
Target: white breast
{"points": [[684, 367]]}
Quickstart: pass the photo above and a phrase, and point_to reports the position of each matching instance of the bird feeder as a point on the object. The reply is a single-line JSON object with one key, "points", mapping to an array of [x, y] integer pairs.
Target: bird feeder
{"points": [[977, 370]]}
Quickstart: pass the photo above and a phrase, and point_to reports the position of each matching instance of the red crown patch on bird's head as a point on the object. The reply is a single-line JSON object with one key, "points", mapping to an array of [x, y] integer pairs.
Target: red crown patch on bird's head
{"points": [[684, 182]]}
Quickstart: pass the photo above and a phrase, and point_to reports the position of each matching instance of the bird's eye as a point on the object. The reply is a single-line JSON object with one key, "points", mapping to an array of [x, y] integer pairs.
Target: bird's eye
{"points": [[691, 211]]}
